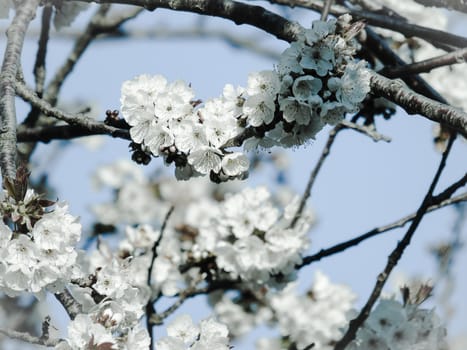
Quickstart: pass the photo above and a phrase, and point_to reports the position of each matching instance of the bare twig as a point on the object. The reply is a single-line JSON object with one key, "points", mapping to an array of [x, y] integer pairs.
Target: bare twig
{"points": [[314, 173], [395, 255], [365, 130], [377, 231], [98, 24], [11, 60], [39, 66], [28, 338], [150, 310]]}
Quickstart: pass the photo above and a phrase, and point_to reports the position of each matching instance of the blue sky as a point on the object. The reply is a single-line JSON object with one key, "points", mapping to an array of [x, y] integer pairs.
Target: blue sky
{"points": [[362, 185]]}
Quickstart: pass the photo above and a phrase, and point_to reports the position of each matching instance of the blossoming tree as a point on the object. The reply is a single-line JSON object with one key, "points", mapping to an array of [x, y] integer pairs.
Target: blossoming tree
{"points": [[161, 241]]}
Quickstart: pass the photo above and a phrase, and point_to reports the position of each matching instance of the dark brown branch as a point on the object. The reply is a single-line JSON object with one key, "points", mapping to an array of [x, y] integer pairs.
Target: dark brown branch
{"points": [[64, 132], [459, 5], [377, 231], [380, 48], [10, 66], [239, 13], [395, 255], [425, 66], [414, 103]]}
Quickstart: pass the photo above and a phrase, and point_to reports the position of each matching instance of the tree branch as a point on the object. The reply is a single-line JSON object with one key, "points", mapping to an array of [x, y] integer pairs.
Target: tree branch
{"points": [[459, 5], [39, 66], [150, 310], [80, 122], [395, 255], [425, 66], [239, 13], [414, 103], [11, 61]]}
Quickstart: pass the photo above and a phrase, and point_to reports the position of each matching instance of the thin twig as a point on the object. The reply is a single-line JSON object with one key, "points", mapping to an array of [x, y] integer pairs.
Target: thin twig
{"points": [[39, 66], [376, 231], [150, 310], [366, 130], [11, 61], [28, 338], [395, 255], [326, 8], [314, 173]]}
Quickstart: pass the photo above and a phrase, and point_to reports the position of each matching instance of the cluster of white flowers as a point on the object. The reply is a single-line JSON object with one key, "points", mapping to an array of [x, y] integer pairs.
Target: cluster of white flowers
{"points": [[315, 83], [183, 334], [316, 317], [42, 258], [112, 299], [164, 121], [104, 328], [252, 239], [394, 326]]}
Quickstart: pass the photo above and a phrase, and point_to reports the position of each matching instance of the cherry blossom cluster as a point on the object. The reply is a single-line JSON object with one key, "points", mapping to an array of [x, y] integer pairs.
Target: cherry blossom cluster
{"points": [[41, 254], [183, 334], [395, 326], [315, 83], [112, 292], [316, 317], [252, 239]]}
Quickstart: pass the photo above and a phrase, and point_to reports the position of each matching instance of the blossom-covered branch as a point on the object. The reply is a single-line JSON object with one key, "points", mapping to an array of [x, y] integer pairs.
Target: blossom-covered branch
{"points": [[11, 61]]}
